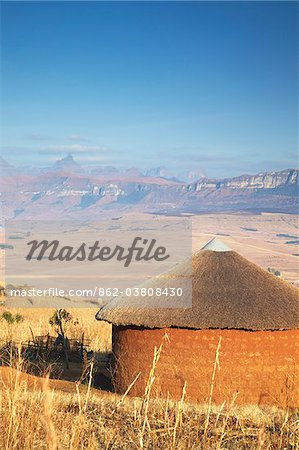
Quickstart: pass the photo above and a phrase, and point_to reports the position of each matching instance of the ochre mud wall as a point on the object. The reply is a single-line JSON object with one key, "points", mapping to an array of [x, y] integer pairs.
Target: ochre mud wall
{"points": [[261, 367]]}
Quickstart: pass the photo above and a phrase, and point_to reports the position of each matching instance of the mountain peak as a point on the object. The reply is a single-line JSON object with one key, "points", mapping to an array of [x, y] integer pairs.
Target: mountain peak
{"points": [[6, 168], [69, 157], [67, 164]]}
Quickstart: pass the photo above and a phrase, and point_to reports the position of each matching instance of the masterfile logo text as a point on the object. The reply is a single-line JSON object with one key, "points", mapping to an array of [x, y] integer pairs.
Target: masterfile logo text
{"points": [[81, 260]]}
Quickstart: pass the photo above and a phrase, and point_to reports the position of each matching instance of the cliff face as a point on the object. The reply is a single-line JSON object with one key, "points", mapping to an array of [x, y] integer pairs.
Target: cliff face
{"points": [[264, 180]]}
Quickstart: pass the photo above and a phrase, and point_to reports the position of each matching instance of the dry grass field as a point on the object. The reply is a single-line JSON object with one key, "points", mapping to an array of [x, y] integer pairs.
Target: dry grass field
{"points": [[47, 418], [38, 413], [36, 321]]}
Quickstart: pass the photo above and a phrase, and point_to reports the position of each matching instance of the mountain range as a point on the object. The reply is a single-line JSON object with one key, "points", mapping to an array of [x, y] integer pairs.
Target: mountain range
{"points": [[68, 190]]}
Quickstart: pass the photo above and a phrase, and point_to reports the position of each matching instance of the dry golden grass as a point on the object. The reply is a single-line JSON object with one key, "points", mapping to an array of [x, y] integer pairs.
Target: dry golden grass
{"points": [[44, 417], [37, 320], [37, 413]]}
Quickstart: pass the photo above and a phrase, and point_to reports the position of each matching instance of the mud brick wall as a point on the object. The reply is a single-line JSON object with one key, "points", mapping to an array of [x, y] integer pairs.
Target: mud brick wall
{"points": [[256, 367]]}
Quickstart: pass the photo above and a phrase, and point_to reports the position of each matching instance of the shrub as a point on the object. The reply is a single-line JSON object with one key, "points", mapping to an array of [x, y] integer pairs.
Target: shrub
{"points": [[19, 318], [10, 318], [275, 272], [60, 317]]}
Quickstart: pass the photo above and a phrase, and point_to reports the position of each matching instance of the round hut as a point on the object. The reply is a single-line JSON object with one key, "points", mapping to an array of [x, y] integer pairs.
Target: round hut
{"points": [[240, 335]]}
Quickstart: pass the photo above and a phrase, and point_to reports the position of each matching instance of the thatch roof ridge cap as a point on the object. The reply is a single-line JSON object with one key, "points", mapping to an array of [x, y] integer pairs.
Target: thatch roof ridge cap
{"points": [[216, 245]]}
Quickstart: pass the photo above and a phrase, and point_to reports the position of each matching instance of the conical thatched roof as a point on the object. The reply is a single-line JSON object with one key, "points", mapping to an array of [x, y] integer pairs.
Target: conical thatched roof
{"points": [[228, 291]]}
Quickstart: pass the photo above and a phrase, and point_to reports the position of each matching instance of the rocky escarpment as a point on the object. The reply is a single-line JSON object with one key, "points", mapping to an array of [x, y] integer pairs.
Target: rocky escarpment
{"points": [[264, 180]]}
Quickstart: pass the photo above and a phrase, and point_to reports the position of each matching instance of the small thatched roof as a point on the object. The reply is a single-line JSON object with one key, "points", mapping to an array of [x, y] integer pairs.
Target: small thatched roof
{"points": [[228, 291]]}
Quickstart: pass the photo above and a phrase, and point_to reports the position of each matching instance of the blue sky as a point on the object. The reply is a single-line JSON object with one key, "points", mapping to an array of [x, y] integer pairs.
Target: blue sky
{"points": [[207, 86]]}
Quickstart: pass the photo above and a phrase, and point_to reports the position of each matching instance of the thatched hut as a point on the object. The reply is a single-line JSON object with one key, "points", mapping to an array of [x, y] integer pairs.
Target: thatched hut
{"points": [[254, 313]]}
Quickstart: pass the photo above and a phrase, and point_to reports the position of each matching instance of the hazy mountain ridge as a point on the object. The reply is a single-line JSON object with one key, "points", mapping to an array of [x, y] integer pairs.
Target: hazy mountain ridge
{"points": [[263, 180], [67, 190]]}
